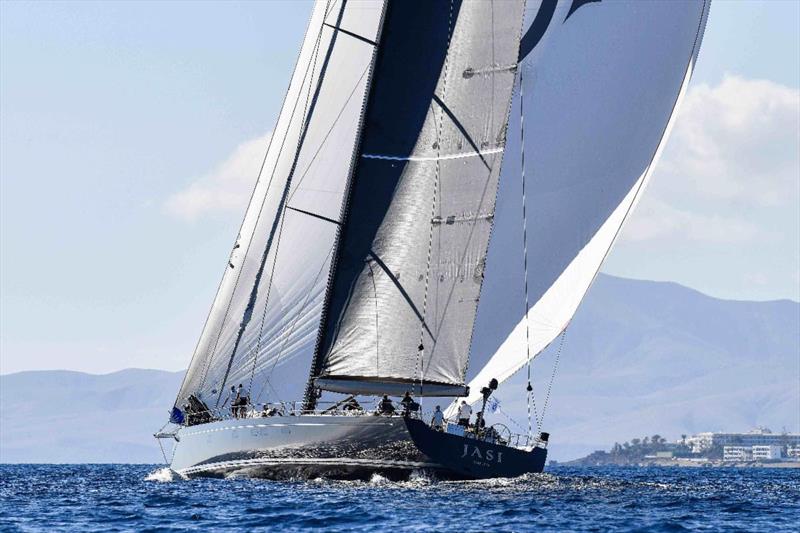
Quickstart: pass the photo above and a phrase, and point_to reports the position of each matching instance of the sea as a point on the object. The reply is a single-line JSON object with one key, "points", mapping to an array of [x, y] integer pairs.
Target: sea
{"points": [[148, 498]]}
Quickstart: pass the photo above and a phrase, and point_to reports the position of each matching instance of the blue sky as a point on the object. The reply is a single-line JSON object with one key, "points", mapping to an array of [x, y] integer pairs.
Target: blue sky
{"points": [[128, 133]]}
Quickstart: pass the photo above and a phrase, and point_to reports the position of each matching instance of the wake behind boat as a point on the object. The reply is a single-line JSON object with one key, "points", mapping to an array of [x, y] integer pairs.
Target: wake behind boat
{"points": [[411, 132]]}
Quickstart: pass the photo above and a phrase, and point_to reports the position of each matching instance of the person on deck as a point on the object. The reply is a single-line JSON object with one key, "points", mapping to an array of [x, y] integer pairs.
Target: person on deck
{"points": [[437, 422], [464, 414], [407, 402], [386, 406], [241, 400], [231, 401]]}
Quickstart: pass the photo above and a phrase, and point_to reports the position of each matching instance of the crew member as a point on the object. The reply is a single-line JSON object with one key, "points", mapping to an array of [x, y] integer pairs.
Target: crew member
{"points": [[386, 406], [407, 402], [437, 422], [232, 400], [464, 414]]}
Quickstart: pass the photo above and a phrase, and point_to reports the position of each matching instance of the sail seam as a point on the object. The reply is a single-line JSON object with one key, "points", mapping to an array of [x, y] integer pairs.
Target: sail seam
{"points": [[432, 158]]}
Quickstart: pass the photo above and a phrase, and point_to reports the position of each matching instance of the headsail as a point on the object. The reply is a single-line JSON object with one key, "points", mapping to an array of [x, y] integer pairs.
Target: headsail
{"points": [[263, 323], [410, 266], [602, 84]]}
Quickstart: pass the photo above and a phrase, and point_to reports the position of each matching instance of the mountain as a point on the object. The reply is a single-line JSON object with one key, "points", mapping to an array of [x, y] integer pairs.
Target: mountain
{"points": [[60, 416], [643, 357], [640, 358]]}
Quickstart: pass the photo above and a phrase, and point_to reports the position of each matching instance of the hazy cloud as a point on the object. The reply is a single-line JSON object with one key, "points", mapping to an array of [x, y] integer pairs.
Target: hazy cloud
{"points": [[226, 189], [733, 151], [656, 219], [738, 140]]}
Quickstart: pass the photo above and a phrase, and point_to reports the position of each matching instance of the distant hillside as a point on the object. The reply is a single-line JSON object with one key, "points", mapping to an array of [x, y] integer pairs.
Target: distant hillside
{"points": [[643, 357], [71, 417], [639, 358]]}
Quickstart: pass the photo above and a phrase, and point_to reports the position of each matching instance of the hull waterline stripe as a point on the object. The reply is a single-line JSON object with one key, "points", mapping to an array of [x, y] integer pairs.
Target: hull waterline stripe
{"points": [[432, 158]]}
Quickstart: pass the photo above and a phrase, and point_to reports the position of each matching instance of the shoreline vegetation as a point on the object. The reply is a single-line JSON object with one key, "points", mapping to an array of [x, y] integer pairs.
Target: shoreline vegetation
{"points": [[656, 451]]}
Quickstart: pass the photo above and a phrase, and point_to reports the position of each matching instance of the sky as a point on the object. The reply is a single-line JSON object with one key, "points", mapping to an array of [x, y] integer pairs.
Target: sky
{"points": [[130, 135]]}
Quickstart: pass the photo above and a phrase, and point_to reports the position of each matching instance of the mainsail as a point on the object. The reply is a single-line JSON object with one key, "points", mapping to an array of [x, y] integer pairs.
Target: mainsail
{"points": [[261, 329], [601, 84], [410, 264]]}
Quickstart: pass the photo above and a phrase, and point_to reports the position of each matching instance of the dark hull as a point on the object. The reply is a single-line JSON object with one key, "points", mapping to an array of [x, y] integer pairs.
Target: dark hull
{"points": [[472, 458]]}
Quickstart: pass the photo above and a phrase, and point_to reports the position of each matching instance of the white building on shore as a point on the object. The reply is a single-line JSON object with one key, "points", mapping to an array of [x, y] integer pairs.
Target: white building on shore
{"points": [[757, 437], [767, 452], [737, 453]]}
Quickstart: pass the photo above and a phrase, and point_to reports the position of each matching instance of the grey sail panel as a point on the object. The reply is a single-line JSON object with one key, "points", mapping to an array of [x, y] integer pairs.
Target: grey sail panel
{"points": [[410, 265], [598, 104], [263, 323]]}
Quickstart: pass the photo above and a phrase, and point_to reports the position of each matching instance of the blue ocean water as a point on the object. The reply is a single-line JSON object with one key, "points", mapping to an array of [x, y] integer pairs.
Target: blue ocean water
{"points": [[144, 498]]}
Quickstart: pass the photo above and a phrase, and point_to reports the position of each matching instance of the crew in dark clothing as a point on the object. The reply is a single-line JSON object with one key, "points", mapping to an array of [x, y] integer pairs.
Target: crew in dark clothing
{"points": [[351, 405], [386, 406], [407, 403]]}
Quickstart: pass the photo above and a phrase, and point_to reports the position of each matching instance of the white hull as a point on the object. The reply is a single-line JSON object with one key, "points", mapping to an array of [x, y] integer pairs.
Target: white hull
{"points": [[298, 446]]}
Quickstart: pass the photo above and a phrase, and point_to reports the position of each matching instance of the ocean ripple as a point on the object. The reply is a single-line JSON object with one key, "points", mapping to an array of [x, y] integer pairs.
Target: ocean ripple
{"points": [[149, 498]]}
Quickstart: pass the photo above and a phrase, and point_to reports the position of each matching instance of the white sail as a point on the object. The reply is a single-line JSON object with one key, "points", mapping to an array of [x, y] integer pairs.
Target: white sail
{"points": [[263, 323], [600, 90]]}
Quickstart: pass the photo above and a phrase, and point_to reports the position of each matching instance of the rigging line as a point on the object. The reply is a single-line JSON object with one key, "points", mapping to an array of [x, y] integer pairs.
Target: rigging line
{"points": [[552, 378], [377, 339], [309, 68], [531, 397], [293, 325], [309, 111], [419, 366], [266, 301]]}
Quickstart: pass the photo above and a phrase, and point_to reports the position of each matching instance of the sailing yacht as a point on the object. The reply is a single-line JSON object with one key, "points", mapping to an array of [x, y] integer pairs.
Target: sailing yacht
{"points": [[440, 189]]}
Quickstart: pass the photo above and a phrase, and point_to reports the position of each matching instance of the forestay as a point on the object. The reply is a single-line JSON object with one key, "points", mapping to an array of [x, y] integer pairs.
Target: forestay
{"points": [[263, 322], [411, 262], [602, 81]]}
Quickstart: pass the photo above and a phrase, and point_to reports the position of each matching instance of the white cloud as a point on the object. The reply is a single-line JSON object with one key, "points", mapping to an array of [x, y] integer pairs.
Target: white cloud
{"points": [[737, 141], [226, 189], [733, 155]]}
